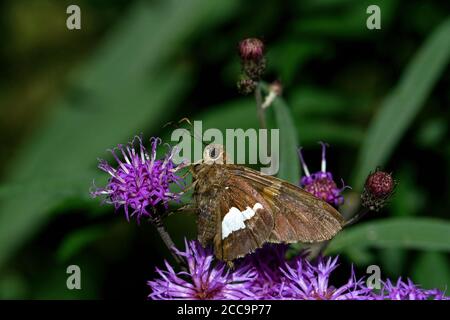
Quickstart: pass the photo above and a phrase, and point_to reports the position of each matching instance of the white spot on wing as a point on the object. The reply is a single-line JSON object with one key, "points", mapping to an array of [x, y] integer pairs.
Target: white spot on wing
{"points": [[257, 206], [234, 219]]}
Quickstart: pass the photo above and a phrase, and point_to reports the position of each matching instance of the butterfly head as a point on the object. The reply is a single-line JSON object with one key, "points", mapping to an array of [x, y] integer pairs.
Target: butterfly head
{"points": [[214, 154]]}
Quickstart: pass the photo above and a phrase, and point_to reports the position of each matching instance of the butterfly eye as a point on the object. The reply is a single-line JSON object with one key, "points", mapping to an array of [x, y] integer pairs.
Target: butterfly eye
{"points": [[213, 153]]}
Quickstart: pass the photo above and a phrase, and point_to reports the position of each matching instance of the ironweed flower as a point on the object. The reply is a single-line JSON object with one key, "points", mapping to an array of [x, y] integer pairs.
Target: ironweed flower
{"points": [[267, 262], [205, 278], [140, 182], [321, 183], [267, 274], [308, 281], [402, 290]]}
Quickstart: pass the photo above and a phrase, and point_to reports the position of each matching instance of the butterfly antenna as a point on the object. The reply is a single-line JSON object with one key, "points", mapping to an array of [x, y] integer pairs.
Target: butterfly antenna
{"points": [[185, 120], [177, 126], [302, 162]]}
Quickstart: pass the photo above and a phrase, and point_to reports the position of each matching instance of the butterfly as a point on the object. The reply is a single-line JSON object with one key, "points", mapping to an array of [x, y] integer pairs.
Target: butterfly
{"points": [[239, 209]]}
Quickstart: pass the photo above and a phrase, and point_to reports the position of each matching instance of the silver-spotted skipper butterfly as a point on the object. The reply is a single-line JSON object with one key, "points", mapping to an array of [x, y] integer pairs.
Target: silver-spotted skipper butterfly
{"points": [[239, 209]]}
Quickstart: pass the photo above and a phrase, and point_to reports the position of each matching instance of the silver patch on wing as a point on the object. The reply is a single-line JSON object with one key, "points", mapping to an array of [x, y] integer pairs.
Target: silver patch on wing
{"points": [[234, 219]]}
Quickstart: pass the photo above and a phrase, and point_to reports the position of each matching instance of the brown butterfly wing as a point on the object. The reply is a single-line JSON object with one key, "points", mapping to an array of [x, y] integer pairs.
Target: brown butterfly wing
{"points": [[298, 215], [240, 194], [289, 214], [216, 192]]}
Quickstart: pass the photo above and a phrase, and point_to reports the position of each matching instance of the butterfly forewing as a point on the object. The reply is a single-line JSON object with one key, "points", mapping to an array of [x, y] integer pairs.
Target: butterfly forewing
{"points": [[241, 209], [299, 216], [237, 238]]}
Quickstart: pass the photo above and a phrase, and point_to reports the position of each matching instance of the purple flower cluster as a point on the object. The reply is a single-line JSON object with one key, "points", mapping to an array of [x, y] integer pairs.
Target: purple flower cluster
{"points": [[321, 183], [267, 274], [408, 291], [140, 182], [307, 281], [205, 278]]}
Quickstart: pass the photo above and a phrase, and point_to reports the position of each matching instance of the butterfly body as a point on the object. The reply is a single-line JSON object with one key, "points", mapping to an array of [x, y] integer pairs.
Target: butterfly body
{"points": [[239, 209]]}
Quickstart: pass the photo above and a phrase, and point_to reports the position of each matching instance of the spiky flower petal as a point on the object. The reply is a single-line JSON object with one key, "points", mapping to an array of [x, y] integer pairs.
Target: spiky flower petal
{"points": [[407, 290], [309, 281], [205, 279], [267, 261], [139, 182], [267, 274]]}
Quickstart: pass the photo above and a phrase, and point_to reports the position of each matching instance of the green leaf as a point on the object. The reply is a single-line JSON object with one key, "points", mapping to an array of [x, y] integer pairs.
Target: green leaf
{"points": [[360, 256], [331, 132], [288, 57], [432, 132], [289, 169], [127, 86], [393, 260], [421, 234], [240, 113], [76, 241], [313, 101], [400, 108], [342, 18], [431, 270], [409, 199], [317, 114]]}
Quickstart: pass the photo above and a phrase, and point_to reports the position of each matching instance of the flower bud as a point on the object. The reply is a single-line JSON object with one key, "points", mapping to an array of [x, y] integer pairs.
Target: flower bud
{"points": [[254, 69], [246, 85], [378, 189], [251, 49], [380, 183], [253, 63]]}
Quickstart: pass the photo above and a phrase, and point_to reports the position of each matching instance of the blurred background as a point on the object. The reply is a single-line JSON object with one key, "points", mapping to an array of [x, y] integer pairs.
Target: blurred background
{"points": [[378, 97]]}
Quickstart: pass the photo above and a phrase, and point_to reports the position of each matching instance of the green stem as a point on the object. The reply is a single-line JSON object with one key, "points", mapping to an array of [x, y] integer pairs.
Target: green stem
{"points": [[259, 108], [361, 213]]}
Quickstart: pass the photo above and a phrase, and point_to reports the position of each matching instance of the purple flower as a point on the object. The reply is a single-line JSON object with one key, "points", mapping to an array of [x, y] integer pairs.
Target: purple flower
{"points": [[321, 183], [308, 281], [407, 291], [267, 261], [140, 182], [267, 274], [205, 278]]}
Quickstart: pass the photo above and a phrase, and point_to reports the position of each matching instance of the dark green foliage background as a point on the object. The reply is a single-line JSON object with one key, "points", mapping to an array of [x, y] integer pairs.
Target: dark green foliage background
{"points": [[378, 97]]}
